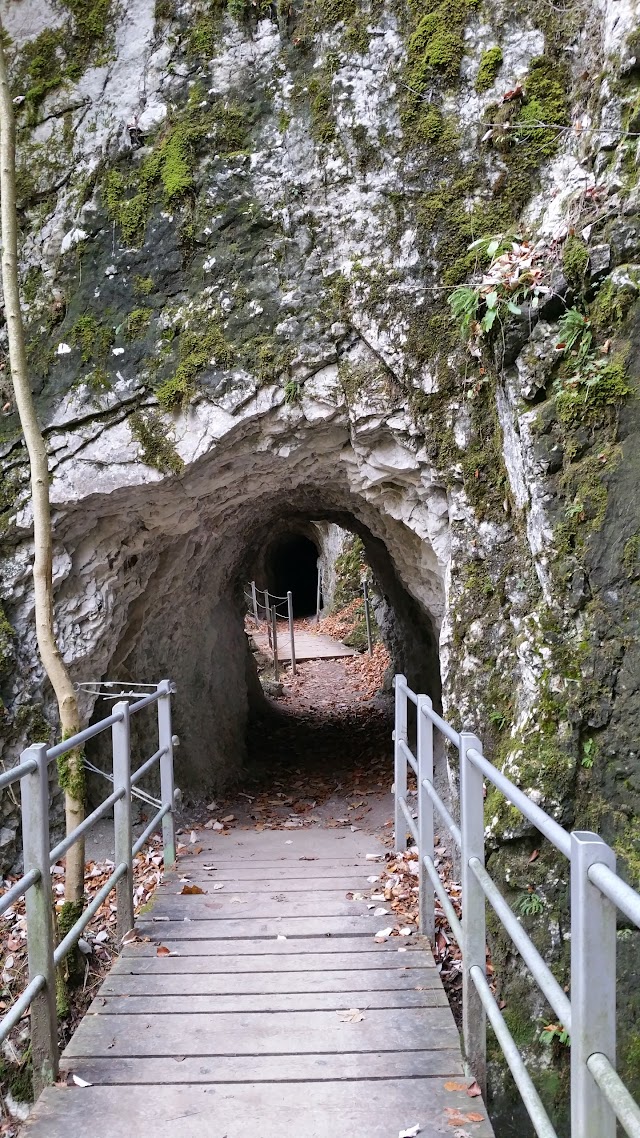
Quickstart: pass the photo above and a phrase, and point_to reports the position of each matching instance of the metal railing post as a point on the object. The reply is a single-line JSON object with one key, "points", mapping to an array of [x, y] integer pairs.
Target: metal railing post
{"points": [[400, 762], [122, 830], [254, 601], [593, 986], [291, 632], [425, 815], [165, 742], [34, 793], [274, 644], [474, 1028], [267, 610], [367, 618]]}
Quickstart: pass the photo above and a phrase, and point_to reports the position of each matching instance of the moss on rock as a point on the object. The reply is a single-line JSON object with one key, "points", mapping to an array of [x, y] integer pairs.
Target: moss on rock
{"points": [[490, 64], [157, 449]]}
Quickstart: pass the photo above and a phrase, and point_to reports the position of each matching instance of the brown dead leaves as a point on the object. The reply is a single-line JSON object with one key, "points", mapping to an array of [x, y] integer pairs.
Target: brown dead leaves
{"points": [[457, 1117]]}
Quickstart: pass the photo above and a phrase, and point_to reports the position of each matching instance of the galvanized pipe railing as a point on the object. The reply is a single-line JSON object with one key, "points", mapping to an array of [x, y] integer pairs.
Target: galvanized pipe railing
{"points": [[35, 885], [271, 606], [598, 1095]]}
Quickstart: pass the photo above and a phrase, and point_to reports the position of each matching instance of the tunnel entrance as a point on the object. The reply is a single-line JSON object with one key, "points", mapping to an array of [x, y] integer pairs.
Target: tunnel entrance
{"points": [[292, 565]]}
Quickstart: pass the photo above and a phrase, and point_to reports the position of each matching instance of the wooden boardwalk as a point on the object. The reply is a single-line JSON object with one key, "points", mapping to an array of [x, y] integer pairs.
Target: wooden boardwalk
{"points": [[309, 645], [264, 1008]]}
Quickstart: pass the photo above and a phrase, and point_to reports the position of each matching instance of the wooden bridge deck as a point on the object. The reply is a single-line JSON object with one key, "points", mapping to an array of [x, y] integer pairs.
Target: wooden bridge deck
{"points": [[264, 1008], [308, 645]]}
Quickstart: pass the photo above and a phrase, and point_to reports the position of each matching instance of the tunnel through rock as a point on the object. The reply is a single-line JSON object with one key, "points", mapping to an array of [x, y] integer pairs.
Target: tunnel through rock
{"points": [[157, 574], [291, 564], [189, 623]]}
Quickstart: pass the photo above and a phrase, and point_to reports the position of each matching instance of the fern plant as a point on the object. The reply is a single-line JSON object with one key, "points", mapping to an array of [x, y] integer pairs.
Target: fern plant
{"points": [[530, 905], [575, 329], [464, 302], [555, 1031]]}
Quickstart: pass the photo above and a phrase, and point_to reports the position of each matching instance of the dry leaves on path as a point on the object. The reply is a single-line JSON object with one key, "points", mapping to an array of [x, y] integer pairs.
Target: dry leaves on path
{"points": [[351, 1015]]}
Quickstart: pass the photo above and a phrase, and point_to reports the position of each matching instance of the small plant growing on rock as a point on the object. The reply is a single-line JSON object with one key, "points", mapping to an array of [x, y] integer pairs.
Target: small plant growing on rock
{"points": [[574, 329], [512, 278], [588, 753], [530, 905], [555, 1032], [292, 392]]}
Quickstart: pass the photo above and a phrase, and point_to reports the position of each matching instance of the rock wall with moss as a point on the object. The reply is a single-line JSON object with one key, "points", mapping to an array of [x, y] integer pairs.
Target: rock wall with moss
{"points": [[376, 264]]}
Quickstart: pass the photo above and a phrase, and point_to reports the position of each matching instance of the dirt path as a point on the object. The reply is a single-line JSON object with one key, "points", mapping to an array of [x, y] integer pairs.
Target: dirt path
{"points": [[320, 754]]}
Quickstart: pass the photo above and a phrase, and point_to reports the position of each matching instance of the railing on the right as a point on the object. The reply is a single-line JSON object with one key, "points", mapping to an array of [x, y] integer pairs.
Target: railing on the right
{"points": [[598, 1095]]}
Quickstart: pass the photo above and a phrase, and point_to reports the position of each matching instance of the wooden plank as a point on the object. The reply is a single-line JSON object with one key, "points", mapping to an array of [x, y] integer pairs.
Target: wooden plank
{"points": [[267, 1068], [288, 874], [215, 906], [250, 867], [308, 645], [310, 945], [244, 928], [225, 984], [188, 961], [346, 1109], [268, 885], [283, 1002], [257, 1033]]}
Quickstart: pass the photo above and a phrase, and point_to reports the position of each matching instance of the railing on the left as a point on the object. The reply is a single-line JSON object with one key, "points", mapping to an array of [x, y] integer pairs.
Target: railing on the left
{"points": [[32, 773]]}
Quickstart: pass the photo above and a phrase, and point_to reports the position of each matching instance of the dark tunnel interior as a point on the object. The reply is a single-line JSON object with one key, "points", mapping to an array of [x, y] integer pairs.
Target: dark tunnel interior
{"points": [[292, 565]]}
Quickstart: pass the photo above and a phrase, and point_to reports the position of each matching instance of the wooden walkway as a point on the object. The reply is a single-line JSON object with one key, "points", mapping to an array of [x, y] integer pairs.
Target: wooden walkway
{"points": [[264, 1008], [309, 645]]}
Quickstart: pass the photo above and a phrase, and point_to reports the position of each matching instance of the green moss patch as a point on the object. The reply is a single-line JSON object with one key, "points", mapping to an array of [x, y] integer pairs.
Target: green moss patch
{"points": [[137, 323], [92, 337], [575, 259], [197, 350], [590, 391], [62, 55], [7, 645], [167, 173], [157, 449], [490, 64], [349, 568]]}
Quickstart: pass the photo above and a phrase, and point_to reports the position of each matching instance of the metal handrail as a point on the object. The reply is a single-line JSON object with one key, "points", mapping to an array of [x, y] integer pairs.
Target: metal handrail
{"points": [[271, 621], [16, 773], [542, 822], [35, 885], [82, 737], [598, 1095], [141, 771], [18, 890], [86, 824]]}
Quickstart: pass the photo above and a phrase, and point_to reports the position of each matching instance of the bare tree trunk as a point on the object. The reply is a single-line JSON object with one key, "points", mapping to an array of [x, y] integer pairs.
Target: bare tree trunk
{"points": [[71, 770]]}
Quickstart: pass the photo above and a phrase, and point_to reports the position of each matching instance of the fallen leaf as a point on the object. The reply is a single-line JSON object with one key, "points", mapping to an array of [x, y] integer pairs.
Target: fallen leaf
{"points": [[451, 1086], [410, 1132], [352, 1015], [81, 1082], [162, 950], [457, 1117], [194, 837], [191, 889], [130, 937], [474, 1091]]}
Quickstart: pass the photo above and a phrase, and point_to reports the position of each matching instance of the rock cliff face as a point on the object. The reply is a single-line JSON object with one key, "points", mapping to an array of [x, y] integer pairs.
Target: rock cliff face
{"points": [[242, 225]]}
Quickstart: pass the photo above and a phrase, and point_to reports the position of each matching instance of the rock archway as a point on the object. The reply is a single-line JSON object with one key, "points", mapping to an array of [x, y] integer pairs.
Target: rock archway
{"points": [[152, 569]]}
